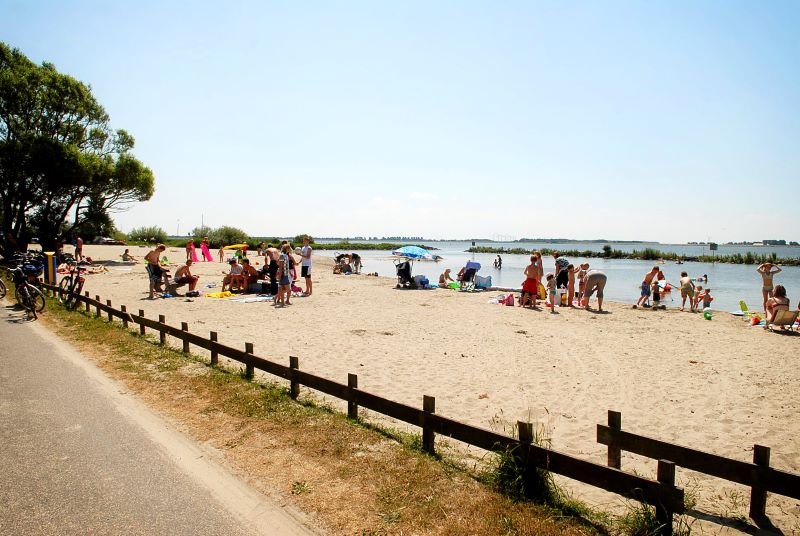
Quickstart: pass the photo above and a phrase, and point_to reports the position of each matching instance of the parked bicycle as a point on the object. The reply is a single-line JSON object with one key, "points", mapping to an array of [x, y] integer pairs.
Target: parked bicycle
{"points": [[27, 292], [71, 285], [3, 289]]}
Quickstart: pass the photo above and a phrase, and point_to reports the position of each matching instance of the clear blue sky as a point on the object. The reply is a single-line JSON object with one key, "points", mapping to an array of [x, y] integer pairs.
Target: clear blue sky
{"points": [[670, 121]]}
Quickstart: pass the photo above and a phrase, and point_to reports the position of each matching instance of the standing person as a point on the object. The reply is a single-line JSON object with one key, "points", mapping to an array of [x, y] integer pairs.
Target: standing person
{"points": [[647, 283], [153, 267], [271, 254], [595, 281], [284, 277], [767, 270], [305, 264], [498, 262], [189, 250], [78, 248], [221, 254], [584, 268], [551, 291], [562, 277], [687, 291], [571, 271], [530, 287]]}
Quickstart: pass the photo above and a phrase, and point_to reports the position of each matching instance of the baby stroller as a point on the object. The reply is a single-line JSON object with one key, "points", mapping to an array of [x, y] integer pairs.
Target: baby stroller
{"points": [[404, 278]]}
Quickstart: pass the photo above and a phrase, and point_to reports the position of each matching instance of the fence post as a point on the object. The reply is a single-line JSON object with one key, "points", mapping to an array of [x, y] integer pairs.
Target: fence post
{"points": [[352, 405], [214, 354], [161, 334], [249, 368], [141, 324], [87, 301], [428, 435], [614, 452], [108, 303], [758, 495], [665, 475], [525, 436], [294, 387], [185, 327], [124, 316], [97, 307]]}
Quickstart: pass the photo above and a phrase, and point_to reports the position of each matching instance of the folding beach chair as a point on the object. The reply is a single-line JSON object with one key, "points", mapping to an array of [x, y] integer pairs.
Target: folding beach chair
{"points": [[468, 277], [745, 311], [784, 318]]}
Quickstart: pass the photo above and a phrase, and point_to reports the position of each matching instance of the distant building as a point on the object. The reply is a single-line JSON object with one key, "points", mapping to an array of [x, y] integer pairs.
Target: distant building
{"points": [[774, 242]]}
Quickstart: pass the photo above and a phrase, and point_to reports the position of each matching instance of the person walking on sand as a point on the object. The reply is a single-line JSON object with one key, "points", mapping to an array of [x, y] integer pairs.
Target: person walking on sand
{"points": [[306, 263], [767, 270], [153, 267]]}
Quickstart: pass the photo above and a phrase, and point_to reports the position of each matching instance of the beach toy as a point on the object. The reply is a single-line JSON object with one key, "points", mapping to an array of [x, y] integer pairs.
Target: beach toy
{"points": [[206, 254], [755, 320], [166, 295], [453, 284], [707, 315]]}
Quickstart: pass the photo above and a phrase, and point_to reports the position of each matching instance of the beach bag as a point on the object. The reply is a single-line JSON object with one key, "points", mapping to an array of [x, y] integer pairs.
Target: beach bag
{"points": [[483, 282], [508, 300]]}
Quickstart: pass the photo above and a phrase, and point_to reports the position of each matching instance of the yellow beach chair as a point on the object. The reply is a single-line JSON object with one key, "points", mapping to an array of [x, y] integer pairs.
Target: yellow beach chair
{"points": [[745, 311]]}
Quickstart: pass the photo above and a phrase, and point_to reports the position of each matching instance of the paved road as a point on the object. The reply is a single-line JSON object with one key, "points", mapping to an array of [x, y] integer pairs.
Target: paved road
{"points": [[78, 455]]}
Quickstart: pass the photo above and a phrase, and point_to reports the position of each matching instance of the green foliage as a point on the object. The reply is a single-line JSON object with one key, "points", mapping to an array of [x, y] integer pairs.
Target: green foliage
{"points": [[149, 235], [299, 239], [226, 236], [59, 158], [198, 233]]}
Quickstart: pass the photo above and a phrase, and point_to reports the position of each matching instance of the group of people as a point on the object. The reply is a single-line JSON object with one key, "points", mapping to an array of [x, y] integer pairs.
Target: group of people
{"points": [[561, 282], [279, 268]]}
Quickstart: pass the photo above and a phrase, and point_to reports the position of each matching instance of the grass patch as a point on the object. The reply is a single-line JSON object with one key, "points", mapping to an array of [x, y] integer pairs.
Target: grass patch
{"points": [[357, 479]]}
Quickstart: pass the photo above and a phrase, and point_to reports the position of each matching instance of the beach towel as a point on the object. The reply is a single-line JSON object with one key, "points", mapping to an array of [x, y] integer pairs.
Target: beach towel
{"points": [[225, 294], [206, 254], [253, 299]]}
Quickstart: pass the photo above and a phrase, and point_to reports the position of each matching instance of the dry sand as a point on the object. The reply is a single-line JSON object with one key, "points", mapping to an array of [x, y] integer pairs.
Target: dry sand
{"points": [[717, 385]]}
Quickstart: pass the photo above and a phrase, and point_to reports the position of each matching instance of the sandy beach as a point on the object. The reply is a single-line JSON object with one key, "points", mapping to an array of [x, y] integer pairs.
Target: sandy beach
{"points": [[716, 385]]}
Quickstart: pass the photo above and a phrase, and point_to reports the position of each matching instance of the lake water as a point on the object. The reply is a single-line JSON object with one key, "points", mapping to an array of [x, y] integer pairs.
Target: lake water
{"points": [[729, 283]]}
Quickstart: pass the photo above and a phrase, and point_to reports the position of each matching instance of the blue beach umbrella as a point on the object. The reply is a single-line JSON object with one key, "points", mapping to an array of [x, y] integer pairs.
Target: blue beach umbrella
{"points": [[412, 252]]}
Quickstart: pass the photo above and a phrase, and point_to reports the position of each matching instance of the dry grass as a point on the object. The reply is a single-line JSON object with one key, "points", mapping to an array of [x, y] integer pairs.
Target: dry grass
{"points": [[353, 479]]}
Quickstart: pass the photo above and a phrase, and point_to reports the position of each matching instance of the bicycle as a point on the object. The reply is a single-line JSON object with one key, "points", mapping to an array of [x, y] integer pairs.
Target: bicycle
{"points": [[3, 289], [71, 285], [27, 293]]}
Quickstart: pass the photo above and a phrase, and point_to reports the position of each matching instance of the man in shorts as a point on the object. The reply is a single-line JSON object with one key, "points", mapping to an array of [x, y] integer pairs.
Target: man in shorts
{"points": [[183, 276], [305, 264], [78, 248], [595, 281], [154, 271]]}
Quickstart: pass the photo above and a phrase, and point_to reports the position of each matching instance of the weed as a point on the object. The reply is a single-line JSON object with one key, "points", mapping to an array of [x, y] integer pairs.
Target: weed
{"points": [[299, 487]]}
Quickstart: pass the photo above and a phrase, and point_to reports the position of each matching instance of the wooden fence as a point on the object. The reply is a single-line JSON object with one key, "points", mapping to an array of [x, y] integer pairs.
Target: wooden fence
{"points": [[661, 493], [759, 476]]}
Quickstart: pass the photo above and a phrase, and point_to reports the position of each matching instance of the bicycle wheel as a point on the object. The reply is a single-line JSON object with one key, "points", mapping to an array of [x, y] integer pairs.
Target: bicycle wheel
{"points": [[64, 289], [76, 292], [30, 298], [36, 298], [2, 289]]}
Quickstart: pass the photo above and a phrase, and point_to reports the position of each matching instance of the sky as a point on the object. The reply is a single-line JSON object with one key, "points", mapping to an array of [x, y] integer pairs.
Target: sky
{"points": [[631, 120]]}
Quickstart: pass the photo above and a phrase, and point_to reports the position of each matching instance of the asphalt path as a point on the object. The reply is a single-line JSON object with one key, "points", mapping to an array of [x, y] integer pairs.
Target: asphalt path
{"points": [[81, 455]]}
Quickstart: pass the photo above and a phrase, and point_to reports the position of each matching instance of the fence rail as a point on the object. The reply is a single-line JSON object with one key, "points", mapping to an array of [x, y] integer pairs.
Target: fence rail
{"points": [[661, 493], [759, 476]]}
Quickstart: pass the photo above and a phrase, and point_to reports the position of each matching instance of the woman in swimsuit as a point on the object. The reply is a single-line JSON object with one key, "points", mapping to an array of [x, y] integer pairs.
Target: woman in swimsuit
{"points": [[767, 270], [777, 302]]}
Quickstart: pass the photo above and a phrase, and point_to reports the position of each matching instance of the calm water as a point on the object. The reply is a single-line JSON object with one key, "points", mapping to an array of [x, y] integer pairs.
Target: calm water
{"points": [[729, 283]]}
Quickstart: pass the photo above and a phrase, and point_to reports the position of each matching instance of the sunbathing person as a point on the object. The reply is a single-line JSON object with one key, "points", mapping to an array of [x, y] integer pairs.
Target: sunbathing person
{"points": [[445, 279], [127, 257], [183, 276], [234, 278], [777, 302]]}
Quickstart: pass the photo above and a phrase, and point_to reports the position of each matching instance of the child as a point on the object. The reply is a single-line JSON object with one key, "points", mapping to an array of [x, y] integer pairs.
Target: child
{"points": [[582, 281], [706, 297], [221, 255], [656, 294], [551, 289], [697, 292], [571, 271]]}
